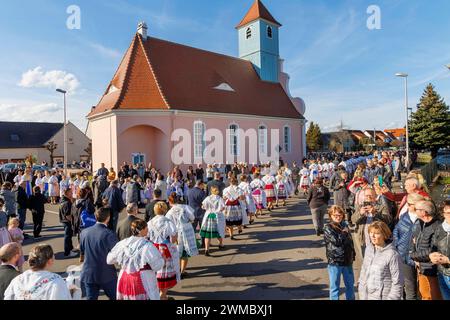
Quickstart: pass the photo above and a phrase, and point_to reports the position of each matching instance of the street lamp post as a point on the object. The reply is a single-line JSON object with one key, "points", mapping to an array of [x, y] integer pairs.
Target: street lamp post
{"points": [[65, 130], [405, 76]]}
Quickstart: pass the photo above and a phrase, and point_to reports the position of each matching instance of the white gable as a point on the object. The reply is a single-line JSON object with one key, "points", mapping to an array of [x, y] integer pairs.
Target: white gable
{"points": [[224, 86]]}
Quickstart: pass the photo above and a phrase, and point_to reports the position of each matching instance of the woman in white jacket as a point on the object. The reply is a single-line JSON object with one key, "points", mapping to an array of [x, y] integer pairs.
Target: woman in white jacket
{"points": [[381, 277]]}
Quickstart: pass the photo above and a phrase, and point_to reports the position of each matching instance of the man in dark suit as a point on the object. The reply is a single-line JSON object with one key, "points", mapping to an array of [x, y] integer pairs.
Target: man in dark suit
{"points": [[124, 226], [95, 244], [9, 255], [149, 209], [195, 197], [217, 182], [115, 203]]}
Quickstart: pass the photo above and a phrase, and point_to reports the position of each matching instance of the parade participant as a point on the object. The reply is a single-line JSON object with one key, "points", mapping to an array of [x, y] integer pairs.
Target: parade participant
{"points": [[163, 233], [148, 190], [216, 182], [95, 244], [213, 224], [420, 248], [139, 261], [281, 188], [269, 189], [340, 254], [233, 212], [287, 174], [9, 198], [317, 198], [381, 277], [183, 217], [9, 256], [38, 283], [296, 176], [305, 181], [64, 184], [258, 193], [250, 207], [37, 203], [314, 170], [53, 188], [161, 185], [27, 178], [18, 178], [441, 252], [39, 182]]}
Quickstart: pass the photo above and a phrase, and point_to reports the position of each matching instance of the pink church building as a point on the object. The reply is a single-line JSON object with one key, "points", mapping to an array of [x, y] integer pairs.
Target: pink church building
{"points": [[162, 89]]}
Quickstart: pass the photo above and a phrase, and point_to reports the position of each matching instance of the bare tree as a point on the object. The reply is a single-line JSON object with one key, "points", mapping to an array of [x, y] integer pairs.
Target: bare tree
{"points": [[51, 147]]}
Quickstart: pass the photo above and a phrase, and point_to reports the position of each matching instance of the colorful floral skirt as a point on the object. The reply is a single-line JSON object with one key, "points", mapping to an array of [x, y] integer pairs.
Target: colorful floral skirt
{"points": [[281, 192], [270, 193], [259, 198], [233, 214], [167, 276], [131, 287]]}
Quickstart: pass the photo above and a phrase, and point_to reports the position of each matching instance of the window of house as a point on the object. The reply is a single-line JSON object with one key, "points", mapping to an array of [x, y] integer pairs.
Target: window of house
{"points": [[287, 139], [269, 32], [199, 139], [249, 33], [234, 138], [262, 133]]}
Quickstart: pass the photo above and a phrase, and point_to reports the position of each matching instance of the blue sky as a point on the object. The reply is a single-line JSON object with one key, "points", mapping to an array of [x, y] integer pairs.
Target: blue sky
{"points": [[342, 70]]}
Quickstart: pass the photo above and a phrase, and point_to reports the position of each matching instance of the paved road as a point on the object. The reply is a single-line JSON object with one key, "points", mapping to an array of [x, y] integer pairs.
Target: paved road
{"points": [[278, 257]]}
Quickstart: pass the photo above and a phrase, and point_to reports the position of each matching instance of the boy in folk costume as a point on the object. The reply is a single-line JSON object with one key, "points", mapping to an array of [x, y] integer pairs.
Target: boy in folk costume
{"points": [[213, 224], [305, 181], [269, 189], [280, 188], [233, 211], [258, 193]]}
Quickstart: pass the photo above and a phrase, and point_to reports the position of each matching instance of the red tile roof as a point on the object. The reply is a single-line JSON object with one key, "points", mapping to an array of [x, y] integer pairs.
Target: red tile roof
{"points": [[158, 74], [257, 11]]}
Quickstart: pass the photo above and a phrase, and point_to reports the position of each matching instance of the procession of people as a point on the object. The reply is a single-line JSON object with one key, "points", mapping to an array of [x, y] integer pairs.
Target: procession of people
{"points": [[185, 213]]}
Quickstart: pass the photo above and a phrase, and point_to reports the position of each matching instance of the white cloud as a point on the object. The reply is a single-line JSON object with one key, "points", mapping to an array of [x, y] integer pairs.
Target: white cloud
{"points": [[108, 52], [39, 78], [35, 113]]}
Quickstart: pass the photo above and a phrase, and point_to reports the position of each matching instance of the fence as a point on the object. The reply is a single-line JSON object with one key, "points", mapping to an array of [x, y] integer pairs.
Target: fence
{"points": [[430, 171]]}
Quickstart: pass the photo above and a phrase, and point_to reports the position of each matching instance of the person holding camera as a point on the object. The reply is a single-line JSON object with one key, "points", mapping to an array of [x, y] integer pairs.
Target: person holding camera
{"points": [[363, 216]]}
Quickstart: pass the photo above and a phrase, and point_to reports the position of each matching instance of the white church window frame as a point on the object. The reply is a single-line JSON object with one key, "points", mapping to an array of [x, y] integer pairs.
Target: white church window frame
{"points": [[262, 138], [287, 139], [234, 139], [199, 129]]}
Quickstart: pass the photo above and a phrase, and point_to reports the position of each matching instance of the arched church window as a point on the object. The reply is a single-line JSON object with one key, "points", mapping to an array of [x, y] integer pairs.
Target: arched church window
{"points": [[249, 33], [269, 32]]}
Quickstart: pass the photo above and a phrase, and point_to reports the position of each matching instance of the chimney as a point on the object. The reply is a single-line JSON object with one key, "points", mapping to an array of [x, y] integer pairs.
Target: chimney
{"points": [[142, 30]]}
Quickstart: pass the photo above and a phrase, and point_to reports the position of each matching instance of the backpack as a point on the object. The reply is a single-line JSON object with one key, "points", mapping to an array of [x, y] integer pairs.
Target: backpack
{"points": [[87, 219]]}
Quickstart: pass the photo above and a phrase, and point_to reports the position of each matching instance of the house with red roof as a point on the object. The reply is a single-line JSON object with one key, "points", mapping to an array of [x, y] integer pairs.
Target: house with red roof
{"points": [[171, 104]]}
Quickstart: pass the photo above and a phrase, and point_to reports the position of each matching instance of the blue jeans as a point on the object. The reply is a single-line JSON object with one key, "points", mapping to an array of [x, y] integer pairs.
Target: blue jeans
{"points": [[334, 273], [22, 213], [444, 285], [92, 290]]}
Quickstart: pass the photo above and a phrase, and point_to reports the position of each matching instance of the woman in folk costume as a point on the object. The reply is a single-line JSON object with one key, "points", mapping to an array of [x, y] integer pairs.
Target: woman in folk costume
{"points": [[28, 178], [45, 179], [213, 224], [64, 185], [18, 178], [38, 283], [39, 181], [139, 261], [305, 181], [75, 185], [289, 181], [314, 171], [233, 211], [325, 170], [280, 188], [250, 207], [183, 217], [163, 233], [53, 187], [258, 193], [269, 189]]}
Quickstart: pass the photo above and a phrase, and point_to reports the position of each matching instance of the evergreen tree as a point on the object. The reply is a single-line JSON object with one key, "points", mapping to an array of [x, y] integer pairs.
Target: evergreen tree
{"points": [[429, 126], [314, 137]]}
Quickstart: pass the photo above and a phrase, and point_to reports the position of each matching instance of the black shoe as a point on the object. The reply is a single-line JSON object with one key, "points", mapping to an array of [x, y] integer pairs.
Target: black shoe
{"points": [[37, 236], [240, 231], [221, 247], [318, 233], [232, 238], [207, 253]]}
